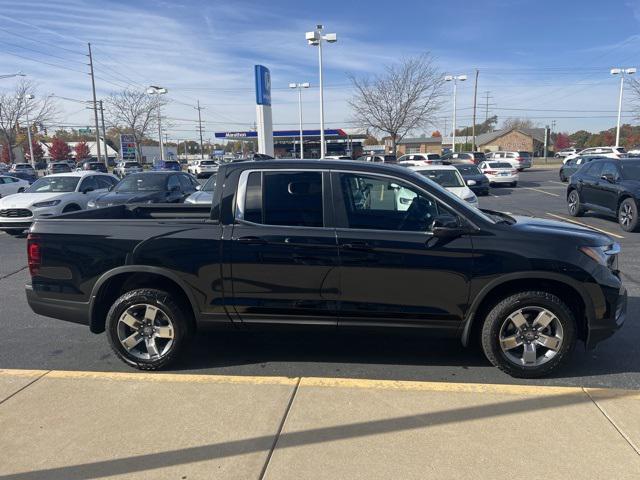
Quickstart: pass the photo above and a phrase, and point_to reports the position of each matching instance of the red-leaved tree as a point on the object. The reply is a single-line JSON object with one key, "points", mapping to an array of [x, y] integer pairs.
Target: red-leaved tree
{"points": [[38, 152], [562, 141], [4, 158], [59, 150], [82, 151], [436, 134]]}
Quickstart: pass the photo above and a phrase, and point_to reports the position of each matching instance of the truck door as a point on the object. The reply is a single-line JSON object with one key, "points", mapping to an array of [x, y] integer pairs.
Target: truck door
{"points": [[284, 261]]}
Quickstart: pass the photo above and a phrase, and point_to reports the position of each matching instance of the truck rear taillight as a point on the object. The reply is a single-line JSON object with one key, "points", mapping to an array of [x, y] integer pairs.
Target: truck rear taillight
{"points": [[490, 172], [34, 255]]}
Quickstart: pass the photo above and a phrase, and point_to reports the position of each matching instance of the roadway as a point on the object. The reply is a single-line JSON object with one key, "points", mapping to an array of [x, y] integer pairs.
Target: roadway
{"points": [[28, 341]]}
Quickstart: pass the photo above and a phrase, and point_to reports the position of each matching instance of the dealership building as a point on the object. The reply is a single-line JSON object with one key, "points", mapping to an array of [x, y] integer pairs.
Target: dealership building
{"points": [[286, 143]]}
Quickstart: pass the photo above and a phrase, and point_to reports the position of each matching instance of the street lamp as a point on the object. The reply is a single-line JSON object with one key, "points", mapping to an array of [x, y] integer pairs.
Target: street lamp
{"points": [[300, 86], [455, 79], [315, 39], [28, 96], [155, 90], [622, 72]]}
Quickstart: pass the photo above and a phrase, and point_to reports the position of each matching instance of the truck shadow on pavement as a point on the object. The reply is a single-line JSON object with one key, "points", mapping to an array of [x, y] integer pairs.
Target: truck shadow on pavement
{"points": [[313, 436]]}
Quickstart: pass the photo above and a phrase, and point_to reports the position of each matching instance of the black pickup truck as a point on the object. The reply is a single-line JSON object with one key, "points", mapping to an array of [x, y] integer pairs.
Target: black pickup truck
{"points": [[328, 243]]}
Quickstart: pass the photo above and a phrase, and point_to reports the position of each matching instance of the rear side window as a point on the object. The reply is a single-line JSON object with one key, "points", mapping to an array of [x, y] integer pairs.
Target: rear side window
{"points": [[609, 168], [284, 198], [105, 182]]}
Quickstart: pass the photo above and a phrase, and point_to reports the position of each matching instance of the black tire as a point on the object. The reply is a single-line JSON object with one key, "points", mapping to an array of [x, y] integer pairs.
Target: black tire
{"points": [[574, 205], [514, 184], [180, 318], [15, 232], [71, 208], [628, 215], [497, 318]]}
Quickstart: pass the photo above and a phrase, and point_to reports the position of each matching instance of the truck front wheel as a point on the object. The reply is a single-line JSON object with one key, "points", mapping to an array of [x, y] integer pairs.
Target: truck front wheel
{"points": [[529, 334], [148, 328]]}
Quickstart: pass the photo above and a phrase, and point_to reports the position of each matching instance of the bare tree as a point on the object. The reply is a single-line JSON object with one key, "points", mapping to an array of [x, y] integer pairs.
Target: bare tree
{"points": [[405, 97], [517, 123], [133, 112], [633, 86], [15, 108]]}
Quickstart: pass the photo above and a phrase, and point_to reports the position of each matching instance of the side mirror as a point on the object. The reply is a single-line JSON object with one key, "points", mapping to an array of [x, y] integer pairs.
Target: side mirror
{"points": [[471, 183], [447, 226], [608, 177]]}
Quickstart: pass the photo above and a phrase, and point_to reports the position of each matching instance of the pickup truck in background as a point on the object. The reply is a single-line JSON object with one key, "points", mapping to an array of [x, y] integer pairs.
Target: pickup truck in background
{"points": [[328, 243]]}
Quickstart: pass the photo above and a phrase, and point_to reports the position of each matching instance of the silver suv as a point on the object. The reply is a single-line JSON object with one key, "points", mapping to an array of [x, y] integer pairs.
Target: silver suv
{"points": [[520, 160]]}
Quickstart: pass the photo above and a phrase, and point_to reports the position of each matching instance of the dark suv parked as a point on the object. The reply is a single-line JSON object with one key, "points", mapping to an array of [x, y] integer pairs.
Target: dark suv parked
{"points": [[610, 187], [341, 244]]}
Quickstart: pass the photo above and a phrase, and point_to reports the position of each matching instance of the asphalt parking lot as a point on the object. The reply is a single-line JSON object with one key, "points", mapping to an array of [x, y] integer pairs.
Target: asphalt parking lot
{"points": [[29, 341]]}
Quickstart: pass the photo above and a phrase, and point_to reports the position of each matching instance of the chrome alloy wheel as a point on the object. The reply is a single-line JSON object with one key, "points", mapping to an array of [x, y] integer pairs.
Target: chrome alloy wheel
{"points": [[626, 215], [531, 336], [145, 331], [574, 199]]}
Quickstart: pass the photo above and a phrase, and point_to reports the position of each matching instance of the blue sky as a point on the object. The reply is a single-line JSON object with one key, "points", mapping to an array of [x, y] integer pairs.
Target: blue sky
{"points": [[539, 59]]}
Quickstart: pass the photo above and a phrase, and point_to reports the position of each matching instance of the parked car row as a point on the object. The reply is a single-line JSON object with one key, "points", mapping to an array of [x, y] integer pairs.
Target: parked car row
{"points": [[21, 204]]}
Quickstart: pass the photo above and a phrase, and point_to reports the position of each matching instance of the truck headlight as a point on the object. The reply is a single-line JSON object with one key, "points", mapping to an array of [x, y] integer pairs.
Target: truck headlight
{"points": [[50, 203], [605, 255]]}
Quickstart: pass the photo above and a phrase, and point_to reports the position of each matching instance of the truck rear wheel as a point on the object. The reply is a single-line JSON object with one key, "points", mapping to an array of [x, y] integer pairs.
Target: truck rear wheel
{"points": [[529, 334], [148, 328]]}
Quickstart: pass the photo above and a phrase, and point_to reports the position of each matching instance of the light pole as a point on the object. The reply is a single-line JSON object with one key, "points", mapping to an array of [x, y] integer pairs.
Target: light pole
{"points": [[155, 90], [27, 97], [455, 79], [300, 86], [316, 38], [622, 72]]}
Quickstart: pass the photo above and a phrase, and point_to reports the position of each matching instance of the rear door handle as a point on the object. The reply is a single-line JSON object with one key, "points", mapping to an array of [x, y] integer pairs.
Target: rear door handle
{"points": [[362, 246], [251, 240]]}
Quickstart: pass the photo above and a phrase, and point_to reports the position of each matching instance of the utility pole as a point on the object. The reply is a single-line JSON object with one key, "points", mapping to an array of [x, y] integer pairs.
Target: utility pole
{"points": [[475, 96], [95, 104], [486, 111], [200, 129], [104, 136]]}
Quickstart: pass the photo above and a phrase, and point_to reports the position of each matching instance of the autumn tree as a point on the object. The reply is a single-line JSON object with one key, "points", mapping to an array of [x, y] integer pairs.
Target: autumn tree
{"points": [[562, 141], [82, 151], [436, 134], [406, 96], [38, 152], [59, 150], [133, 112], [14, 110]]}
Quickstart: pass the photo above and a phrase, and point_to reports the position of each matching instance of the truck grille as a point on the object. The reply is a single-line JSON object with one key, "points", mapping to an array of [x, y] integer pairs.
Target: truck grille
{"points": [[15, 213]]}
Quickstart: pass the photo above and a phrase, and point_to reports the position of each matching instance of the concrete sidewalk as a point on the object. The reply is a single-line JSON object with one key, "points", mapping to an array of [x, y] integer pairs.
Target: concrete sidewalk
{"points": [[77, 425]]}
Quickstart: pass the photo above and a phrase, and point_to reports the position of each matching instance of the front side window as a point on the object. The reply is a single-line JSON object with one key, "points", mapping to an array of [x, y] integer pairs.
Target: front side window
{"points": [[284, 198], [379, 203], [54, 184], [610, 169], [89, 184]]}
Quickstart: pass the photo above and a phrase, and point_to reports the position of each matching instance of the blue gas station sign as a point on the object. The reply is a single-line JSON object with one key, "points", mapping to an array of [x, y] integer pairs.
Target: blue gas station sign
{"points": [[263, 85]]}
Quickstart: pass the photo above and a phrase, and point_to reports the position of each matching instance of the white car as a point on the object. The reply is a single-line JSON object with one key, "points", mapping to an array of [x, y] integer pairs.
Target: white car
{"points": [[448, 176], [125, 168], [23, 167], [52, 195], [10, 185], [500, 172], [203, 168], [420, 159], [518, 160], [610, 152], [565, 152]]}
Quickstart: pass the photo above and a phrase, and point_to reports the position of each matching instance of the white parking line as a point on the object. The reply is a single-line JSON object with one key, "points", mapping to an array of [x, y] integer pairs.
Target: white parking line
{"points": [[541, 191], [559, 183], [584, 225]]}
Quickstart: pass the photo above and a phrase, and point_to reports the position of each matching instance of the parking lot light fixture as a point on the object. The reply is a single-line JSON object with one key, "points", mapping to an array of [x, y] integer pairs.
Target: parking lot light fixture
{"points": [[455, 79], [155, 90], [315, 39], [300, 86], [622, 72]]}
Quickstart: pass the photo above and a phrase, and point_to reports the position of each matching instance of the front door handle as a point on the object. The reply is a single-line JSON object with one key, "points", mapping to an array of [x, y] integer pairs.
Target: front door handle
{"points": [[251, 240], [362, 246]]}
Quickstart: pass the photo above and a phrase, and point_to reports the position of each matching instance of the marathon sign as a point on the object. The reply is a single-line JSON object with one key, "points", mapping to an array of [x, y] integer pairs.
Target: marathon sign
{"points": [[328, 132], [128, 149], [236, 134]]}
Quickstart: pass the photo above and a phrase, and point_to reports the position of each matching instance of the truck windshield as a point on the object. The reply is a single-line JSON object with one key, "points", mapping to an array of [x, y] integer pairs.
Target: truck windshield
{"points": [[144, 182], [54, 184], [445, 178]]}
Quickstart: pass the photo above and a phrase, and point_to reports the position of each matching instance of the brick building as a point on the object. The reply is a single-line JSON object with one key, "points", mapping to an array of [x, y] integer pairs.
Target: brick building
{"points": [[416, 145]]}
